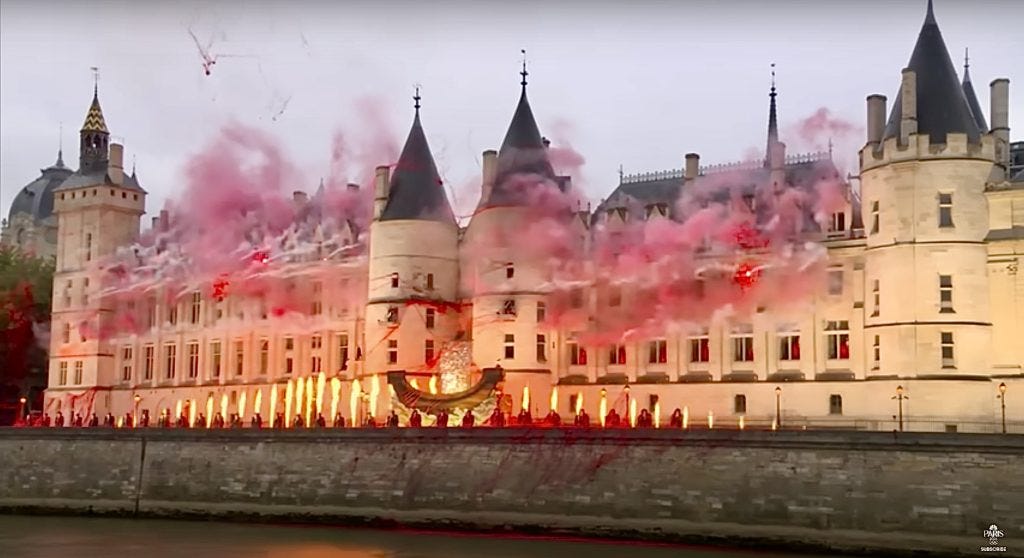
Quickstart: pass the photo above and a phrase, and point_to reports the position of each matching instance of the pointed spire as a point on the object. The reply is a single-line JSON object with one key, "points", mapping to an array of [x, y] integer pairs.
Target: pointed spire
{"points": [[972, 98], [416, 190], [60, 147], [942, 106], [133, 166], [416, 100], [773, 124], [524, 73], [94, 121]]}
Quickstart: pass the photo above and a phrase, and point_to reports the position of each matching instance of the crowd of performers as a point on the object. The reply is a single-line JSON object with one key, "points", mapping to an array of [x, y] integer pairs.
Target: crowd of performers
{"points": [[497, 419]]}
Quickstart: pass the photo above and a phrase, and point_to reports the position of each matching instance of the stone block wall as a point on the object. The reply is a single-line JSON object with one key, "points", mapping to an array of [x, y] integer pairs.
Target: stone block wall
{"points": [[837, 491]]}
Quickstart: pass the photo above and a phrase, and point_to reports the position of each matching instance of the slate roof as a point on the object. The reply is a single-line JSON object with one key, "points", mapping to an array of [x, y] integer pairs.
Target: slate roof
{"points": [[972, 100], [36, 198], [941, 105], [416, 190], [522, 152], [635, 196]]}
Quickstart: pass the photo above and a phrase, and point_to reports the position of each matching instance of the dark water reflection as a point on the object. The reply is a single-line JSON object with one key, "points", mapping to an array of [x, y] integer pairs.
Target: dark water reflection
{"points": [[60, 537]]}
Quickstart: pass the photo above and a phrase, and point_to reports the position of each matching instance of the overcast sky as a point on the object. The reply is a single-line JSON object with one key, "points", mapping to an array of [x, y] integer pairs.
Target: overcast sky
{"points": [[633, 83]]}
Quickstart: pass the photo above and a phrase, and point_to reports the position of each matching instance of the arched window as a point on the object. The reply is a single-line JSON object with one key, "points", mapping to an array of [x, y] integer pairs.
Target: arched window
{"points": [[19, 237]]}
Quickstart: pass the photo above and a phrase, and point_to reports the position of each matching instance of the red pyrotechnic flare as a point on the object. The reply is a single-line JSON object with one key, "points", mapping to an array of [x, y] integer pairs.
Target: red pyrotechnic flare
{"points": [[220, 288], [746, 275], [261, 256]]}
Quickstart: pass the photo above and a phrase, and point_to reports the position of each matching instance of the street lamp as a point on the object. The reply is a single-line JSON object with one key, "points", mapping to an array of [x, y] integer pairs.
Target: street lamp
{"points": [[22, 401], [135, 415], [1003, 402], [778, 406], [899, 397]]}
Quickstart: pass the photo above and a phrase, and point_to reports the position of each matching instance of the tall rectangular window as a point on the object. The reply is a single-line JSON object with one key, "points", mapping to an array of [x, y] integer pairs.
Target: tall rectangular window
{"points": [[289, 357], [429, 316], [576, 297], [172, 313], [614, 296], [430, 281], [877, 353], [65, 335], [343, 351], [835, 281], [317, 308], [149, 355], [542, 348], [577, 354], [195, 308], [85, 291], [510, 270], [394, 280], [264, 356], [837, 222], [78, 372], [876, 294], [510, 346], [743, 348], [700, 348], [151, 312], [170, 361], [239, 357], [392, 315], [789, 345], [617, 354], [657, 351], [392, 351], [541, 312], [88, 247], [215, 359], [508, 307], [428, 351], [62, 376], [126, 363], [945, 210], [739, 404], [835, 404], [316, 359], [837, 339], [193, 360], [946, 294], [874, 217], [947, 350], [67, 294]]}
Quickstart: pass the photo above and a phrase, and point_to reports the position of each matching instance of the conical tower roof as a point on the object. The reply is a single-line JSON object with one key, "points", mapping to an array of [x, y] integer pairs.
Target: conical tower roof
{"points": [[942, 107], [523, 152], [94, 121], [416, 190], [972, 99]]}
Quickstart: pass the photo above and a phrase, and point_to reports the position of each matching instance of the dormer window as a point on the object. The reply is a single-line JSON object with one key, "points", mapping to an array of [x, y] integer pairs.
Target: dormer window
{"points": [[508, 308]]}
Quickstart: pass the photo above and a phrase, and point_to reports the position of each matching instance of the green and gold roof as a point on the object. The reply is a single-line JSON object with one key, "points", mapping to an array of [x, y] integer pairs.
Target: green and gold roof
{"points": [[94, 119]]}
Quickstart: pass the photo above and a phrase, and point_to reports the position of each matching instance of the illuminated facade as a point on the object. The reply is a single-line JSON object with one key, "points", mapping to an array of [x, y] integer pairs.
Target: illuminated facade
{"points": [[923, 291]]}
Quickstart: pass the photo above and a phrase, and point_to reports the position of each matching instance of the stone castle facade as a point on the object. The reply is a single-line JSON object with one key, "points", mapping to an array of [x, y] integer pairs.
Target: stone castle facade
{"points": [[924, 290]]}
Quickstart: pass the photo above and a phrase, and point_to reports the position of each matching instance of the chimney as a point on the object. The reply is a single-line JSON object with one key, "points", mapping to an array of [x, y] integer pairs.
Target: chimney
{"points": [[299, 197], [115, 167], [908, 91], [1000, 111], [382, 183], [876, 118], [490, 174], [692, 166], [155, 223], [165, 220]]}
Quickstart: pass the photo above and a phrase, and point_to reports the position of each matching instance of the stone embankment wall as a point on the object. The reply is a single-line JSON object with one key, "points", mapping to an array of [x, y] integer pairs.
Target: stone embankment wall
{"points": [[847, 492]]}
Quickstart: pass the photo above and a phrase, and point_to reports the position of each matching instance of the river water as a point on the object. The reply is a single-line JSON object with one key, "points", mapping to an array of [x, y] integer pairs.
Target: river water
{"points": [[62, 537]]}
